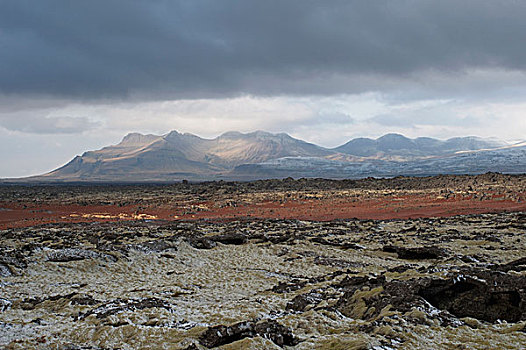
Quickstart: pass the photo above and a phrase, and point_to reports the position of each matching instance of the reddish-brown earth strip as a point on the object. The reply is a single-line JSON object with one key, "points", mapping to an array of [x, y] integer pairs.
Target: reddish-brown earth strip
{"points": [[389, 207]]}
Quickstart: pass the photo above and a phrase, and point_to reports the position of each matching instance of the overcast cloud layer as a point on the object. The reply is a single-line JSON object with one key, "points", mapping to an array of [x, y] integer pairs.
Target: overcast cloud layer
{"points": [[91, 49], [322, 70]]}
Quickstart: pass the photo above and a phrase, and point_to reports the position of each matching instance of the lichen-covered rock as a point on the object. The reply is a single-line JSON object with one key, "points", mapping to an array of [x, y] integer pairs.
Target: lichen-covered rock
{"points": [[74, 254], [201, 243], [156, 246], [480, 294], [5, 304], [269, 329]]}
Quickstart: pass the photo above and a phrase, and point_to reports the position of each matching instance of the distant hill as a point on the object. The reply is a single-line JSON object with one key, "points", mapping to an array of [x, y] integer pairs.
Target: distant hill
{"points": [[511, 160], [392, 145], [260, 154]]}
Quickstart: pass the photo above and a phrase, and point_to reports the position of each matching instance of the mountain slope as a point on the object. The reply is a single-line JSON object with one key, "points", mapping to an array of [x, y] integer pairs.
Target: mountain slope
{"points": [[234, 148], [150, 157], [260, 154]]}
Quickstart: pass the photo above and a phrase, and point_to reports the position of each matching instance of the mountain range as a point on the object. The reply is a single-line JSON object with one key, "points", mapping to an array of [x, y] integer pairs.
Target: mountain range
{"points": [[238, 156]]}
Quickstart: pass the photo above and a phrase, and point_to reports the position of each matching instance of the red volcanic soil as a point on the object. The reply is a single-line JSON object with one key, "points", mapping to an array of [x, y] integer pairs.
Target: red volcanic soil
{"points": [[389, 207]]}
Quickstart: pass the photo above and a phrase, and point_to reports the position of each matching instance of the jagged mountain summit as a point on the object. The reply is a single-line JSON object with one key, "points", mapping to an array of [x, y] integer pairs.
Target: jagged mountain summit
{"points": [[150, 157], [235, 155]]}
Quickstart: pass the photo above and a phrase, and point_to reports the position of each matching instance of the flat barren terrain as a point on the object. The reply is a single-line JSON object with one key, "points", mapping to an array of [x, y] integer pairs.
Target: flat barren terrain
{"points": [[404, 263], [304, 199]]}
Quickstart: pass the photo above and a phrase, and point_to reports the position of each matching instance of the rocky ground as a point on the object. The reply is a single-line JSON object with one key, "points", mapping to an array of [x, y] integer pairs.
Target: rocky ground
{"points": [[455, 282], [305, 199]]}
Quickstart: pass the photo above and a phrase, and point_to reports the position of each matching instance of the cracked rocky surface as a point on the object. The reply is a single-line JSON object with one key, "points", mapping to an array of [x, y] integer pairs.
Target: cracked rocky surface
{"points": [[436, 283], [305, 199]]}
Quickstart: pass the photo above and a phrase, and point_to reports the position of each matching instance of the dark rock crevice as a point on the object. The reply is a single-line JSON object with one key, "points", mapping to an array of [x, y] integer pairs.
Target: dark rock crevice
{"points": [[470, 297], [416, 253]]}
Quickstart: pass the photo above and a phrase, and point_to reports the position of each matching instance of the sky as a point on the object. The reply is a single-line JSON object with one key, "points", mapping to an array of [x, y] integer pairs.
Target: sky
{"points": [[79, 75]]}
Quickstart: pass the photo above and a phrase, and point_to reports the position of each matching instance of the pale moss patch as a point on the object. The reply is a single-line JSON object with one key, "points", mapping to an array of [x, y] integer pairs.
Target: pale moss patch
{"points": [[343, 343], [257, 343], [357, 306]]}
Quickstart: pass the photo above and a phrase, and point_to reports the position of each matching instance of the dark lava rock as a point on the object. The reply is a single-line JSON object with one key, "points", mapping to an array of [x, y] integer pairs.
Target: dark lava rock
{"points": [[202, 243], [14, 258], [390, 249], [302, 301], [400, 268], [421, 253], [335, 262], [31, 303], [73, 254], [221, 335], [9, 261], [515, 265], [5, 271], [4, 304], [276, 239], [481, 294], [119, 305], [230, 238], [155, 246], [277, 333], [356, 282], [469, 259], [497, 297], [83, 300], [336, 243], [269, 329], [74, 299], [287, 287], [417, 253], [78, 347], [191, 347]]}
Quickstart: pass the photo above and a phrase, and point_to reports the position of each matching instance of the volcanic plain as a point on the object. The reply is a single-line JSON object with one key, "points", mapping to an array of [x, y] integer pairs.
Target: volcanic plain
{"points": [[403, 263]]}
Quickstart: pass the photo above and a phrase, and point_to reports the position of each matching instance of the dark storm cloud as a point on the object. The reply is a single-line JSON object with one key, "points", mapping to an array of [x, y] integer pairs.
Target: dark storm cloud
{"points": [[112, 49]]}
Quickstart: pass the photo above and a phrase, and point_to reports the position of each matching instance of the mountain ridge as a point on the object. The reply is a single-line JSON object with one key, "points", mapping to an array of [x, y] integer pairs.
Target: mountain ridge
{"points": [[258, 154], [400, 145]]}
